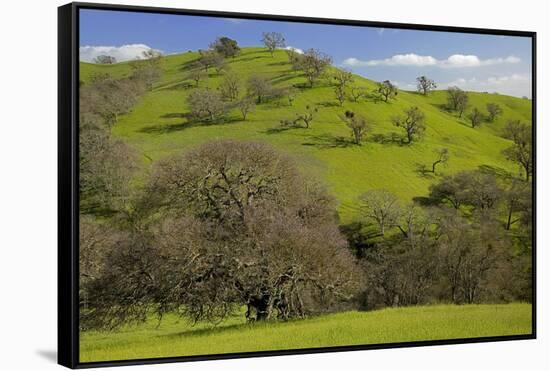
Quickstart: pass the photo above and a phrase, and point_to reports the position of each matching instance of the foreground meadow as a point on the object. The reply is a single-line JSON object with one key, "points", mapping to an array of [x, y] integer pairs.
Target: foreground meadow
{"points": [[175, 337]]}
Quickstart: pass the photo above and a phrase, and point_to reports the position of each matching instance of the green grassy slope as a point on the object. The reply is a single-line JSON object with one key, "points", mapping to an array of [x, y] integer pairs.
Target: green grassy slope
{"points": [[174, 337], [157, 128]]}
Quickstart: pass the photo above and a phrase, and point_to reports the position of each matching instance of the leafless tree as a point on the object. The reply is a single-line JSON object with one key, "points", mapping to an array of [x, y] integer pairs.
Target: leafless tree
{"points": [[272, 41], [206, 105]]}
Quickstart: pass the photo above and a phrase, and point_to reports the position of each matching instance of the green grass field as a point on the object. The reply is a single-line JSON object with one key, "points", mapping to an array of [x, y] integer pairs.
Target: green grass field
{"points": [[157, 128], [175, 337]]}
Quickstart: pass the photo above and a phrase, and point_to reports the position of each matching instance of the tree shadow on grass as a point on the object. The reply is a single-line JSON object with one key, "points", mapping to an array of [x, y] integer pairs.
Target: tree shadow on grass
{"points": [[325, 141], [422, 171], [391, 138], [184, 125], [328, 104], [496, 171], [208, 331]]}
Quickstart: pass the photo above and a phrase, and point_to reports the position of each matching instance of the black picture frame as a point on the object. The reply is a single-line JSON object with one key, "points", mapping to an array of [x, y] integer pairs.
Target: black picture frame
{"points": [[68, 180]]}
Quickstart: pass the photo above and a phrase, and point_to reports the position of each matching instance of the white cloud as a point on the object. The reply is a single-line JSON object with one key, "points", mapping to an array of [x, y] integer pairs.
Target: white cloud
{"points": [[411, 59], [518, 85], [297, 50], [121, 53]]}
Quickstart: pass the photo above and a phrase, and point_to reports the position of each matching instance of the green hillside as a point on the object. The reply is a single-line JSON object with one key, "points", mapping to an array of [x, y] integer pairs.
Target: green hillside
{"points": [[157, 127], [175, 337]]}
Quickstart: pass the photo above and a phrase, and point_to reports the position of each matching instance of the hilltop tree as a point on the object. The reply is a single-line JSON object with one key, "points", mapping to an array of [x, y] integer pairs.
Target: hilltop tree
{"points": [[385, 90], [381, 207], [457, 100], [313, 64], [105, 59], [206, 105], [272, 41], [197, 75], [225, 46], [357, 124], [442, 157], [476, 117], [294, 57], [259, 87], [246, 105], [230, 86], [306, 117], [521, 151], [358, 92], [413, 122], [425, 85], [494, 111]]}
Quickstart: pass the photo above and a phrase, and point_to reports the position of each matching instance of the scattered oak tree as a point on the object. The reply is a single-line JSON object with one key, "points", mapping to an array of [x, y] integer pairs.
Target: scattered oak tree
{"points": [[442, 158], [521, 151], [246, 105], [385, 90], [313, 64], [206, 105], [425, 85], [357, 124], [476, 117], [306, 117], [494, 110], [413, 122], [259, 87], [197, 75], [457, 100], [230, 86], [380, 207], [272, 41]]}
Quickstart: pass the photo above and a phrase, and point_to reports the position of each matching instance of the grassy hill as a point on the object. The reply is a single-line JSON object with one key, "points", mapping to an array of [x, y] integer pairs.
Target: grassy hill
{"points": [[157, 127], [175, 337]]}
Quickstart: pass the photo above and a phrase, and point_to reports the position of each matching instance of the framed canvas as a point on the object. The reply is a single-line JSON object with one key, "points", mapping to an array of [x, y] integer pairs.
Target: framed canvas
{"points": [[242, 185]]}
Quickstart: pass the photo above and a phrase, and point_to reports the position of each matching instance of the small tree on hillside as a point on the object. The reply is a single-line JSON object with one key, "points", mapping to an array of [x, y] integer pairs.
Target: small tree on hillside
{"points": [[380, 207], [206, 105], [357, 124], [259, 87], [457, 100], [230, 86], [442, 157], [197, 75], [209, 58], [521, 151], [425, 85], [385, 90], [357, 92], [341, 79], [272, 41], [413, 122], [494, 111], [476, 117], [313, 64], [306, 117], [246, 105]]}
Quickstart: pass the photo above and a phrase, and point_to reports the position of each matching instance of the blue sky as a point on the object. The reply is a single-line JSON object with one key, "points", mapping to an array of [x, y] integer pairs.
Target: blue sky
{"points": [[470, 61]]}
